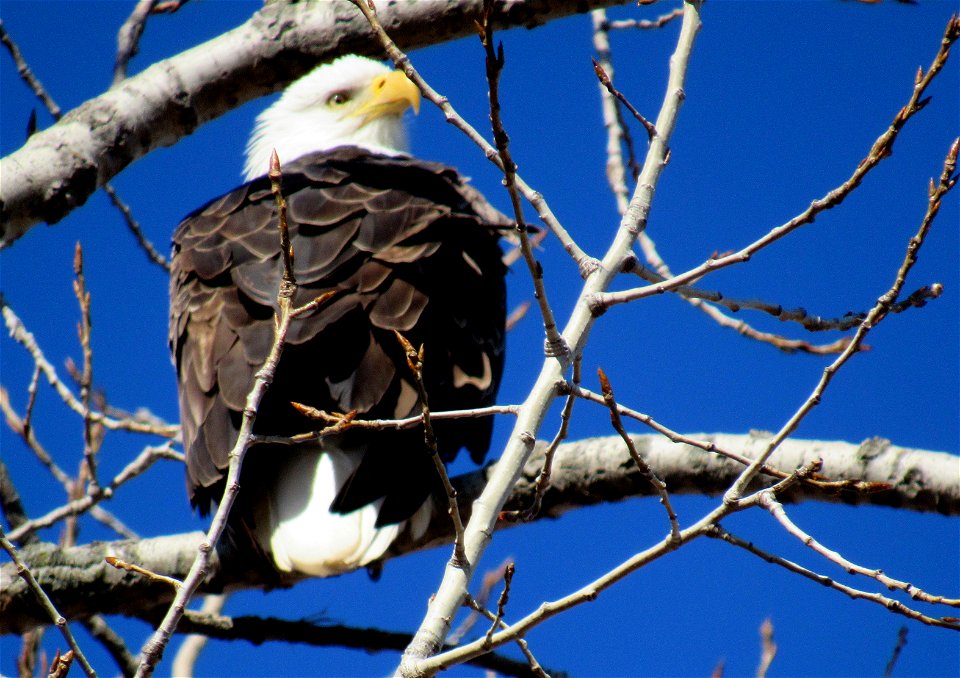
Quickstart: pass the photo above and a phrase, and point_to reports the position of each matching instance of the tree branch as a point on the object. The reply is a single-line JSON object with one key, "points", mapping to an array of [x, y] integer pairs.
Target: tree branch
{"points": [[586, 472], [57, 169]]}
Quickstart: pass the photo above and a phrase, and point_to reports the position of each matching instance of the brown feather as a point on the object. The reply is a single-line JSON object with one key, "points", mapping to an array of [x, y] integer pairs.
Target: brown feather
{"points": [[409, 247]]}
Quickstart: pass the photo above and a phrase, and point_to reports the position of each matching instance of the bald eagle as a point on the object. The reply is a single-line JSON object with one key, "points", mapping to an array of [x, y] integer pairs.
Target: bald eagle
{"points": [[406, 245]]}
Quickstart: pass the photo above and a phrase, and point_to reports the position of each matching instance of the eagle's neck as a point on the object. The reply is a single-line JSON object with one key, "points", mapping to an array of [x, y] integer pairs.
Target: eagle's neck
{"points": [[294, 135]]}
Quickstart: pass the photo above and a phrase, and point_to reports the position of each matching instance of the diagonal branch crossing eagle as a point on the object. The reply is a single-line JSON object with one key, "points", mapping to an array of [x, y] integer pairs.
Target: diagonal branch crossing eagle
{"points": [[406, 245]]}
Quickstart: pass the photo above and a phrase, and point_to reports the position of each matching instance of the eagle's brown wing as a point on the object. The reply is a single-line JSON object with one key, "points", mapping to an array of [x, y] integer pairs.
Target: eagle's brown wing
{"points": [[407, 246]]}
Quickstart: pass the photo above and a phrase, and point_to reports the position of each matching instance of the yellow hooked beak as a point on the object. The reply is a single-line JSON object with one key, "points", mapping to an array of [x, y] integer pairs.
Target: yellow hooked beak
{"points": [[389, 94]]}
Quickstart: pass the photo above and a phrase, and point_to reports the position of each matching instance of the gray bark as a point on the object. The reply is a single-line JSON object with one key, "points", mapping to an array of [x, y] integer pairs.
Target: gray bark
{"points": [[59, 168], [586, 472]]}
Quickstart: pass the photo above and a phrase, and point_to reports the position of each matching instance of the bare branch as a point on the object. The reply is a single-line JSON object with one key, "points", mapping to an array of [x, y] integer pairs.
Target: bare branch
{"points": [[501, 601], [486, 509], [263, 629], [152, 651], [889, 603], [153, 255], [415, 363], [947, 182], [586, 472], [27, 75], [21, 335], [584, 263], [477, 603], [535, 666], [90, 441], [34, 84], [139, 465], [881, 149], [656, 483], [10, 503], [128, 37], [643, 24], [185, 661], [897, 649], [60, 167], [617, 132], [58, 619], [112, 643], [543, 478], [768, 648], [768, 501], [554, 345]]}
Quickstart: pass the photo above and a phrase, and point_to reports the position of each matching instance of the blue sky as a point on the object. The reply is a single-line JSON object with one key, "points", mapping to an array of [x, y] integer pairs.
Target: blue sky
{"points": [[783, 100]]}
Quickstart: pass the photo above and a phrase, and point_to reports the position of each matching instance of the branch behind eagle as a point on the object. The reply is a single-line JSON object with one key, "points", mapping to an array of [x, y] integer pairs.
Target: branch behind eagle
{"points": [[407, 246]]}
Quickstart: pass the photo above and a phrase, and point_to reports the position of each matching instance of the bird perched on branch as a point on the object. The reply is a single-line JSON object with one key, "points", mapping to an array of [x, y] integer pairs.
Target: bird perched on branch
{"points": [[406, 246]]}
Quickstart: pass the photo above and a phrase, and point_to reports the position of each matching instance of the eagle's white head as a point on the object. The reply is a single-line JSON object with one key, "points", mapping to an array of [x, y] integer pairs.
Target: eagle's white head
{"points": [[352, 101]]}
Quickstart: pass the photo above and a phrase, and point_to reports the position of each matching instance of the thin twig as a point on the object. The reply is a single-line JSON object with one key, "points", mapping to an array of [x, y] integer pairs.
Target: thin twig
{"points": [[937, 191], [881, 149], [502, 600], [29, 649], [97, 627], [516, 315], [152, 651], [128, 38], [643, 24], [10, 503], [768, 648], [20, 427], [139, 465], [262, 629], [415, 363], [543, 478], [554, 344], [31, 400], [583, 595], [648, 473], [113, 561], [339, 422], [105, 517], [153, 255], [585, 263], [27, 75], [608, 84], [20, 334], [86, 376], [812, 323], [594, 588], [895, 606], [514, 254], [709, 446], [490, 579], [768, 501], [535, 665], [617, 133], [59, 621], [895, 655], [56, 113]]}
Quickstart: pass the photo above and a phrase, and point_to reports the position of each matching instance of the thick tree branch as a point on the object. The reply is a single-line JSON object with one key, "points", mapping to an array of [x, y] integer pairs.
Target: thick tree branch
{"points": [[60, 167], [586, 472]]}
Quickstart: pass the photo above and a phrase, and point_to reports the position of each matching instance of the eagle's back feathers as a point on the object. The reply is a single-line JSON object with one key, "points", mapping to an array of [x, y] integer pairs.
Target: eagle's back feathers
{"points": [[407, 246]]}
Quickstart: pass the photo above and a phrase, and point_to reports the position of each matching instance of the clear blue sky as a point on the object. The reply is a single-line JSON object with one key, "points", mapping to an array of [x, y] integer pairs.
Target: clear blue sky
{"points": [[783, 100]]}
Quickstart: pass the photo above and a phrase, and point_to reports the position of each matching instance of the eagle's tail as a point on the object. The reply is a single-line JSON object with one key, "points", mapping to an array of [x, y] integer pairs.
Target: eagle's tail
{"points": [[304, 535]]}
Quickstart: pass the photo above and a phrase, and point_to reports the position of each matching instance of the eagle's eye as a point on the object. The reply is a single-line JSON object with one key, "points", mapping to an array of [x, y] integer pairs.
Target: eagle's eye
{"points": [[338, 99]]}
